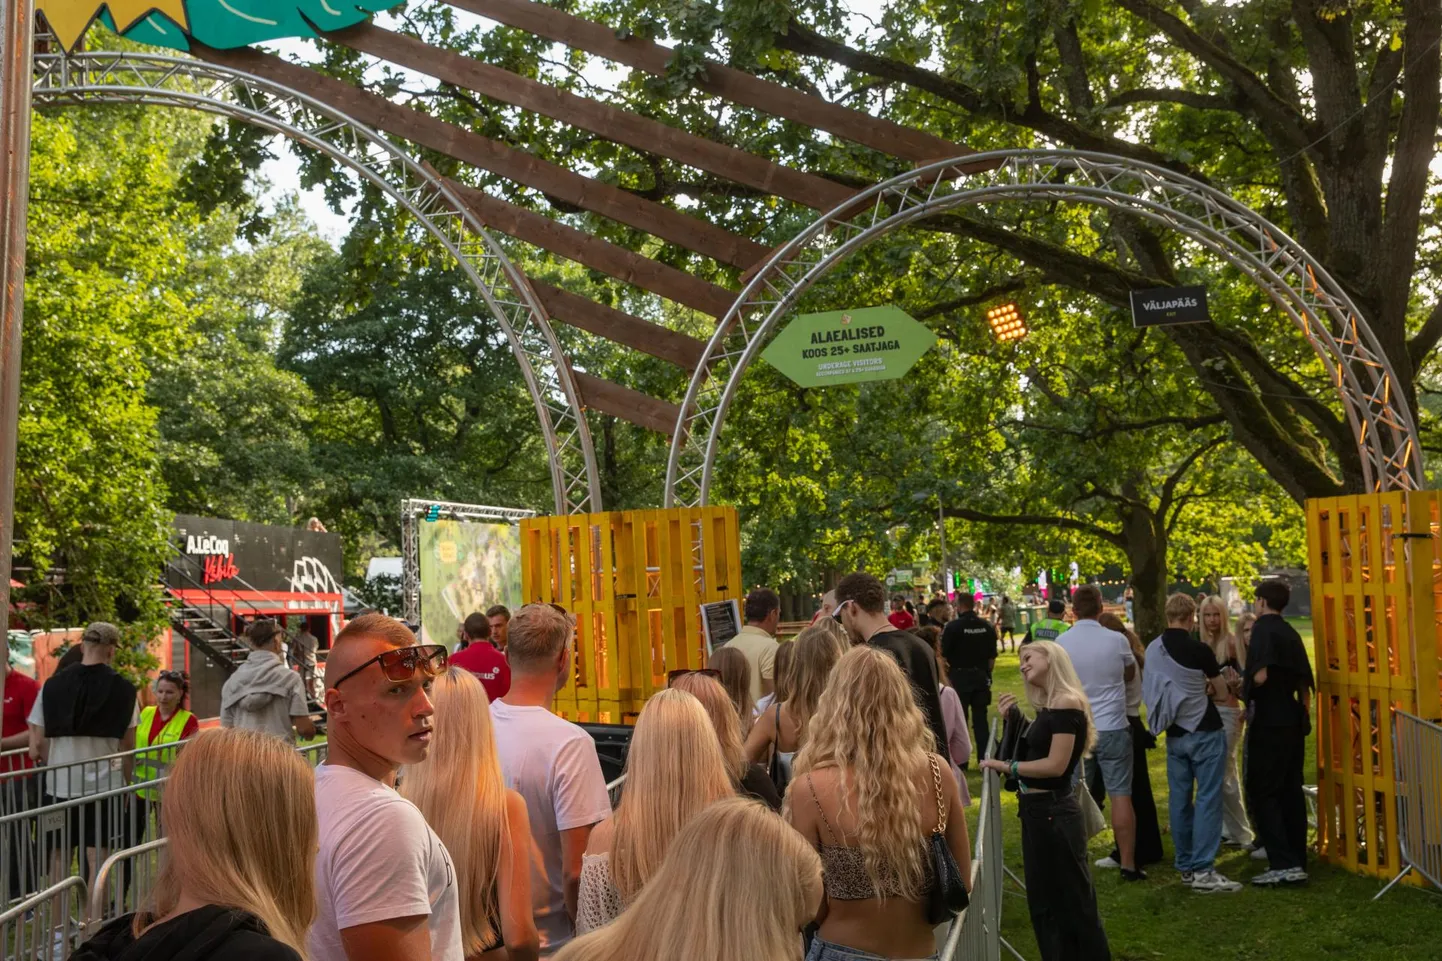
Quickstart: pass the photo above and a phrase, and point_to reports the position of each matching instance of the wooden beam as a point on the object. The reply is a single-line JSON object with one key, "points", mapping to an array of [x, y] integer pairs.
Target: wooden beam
{"points": [[629, 405], [611, 259], [719, 79], [619, 327], [692, 233], [612, 123]]}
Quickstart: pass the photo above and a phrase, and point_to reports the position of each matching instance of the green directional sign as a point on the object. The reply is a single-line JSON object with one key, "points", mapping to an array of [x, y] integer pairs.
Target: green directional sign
{"points": [[849, 346]]}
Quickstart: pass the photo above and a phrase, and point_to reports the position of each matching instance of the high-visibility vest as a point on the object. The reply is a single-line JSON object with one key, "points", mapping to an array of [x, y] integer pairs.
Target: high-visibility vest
{"points": [[146, 764], [1048, 629]]}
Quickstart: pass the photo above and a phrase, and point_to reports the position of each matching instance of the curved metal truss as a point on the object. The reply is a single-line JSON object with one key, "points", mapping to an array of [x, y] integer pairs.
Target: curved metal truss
{"points": [[159, 80], [1383, 427]]}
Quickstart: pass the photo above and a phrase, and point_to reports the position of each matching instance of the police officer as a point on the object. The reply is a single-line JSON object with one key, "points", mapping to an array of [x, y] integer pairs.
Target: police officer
{"points": [[1050, 627], [969, 646]]}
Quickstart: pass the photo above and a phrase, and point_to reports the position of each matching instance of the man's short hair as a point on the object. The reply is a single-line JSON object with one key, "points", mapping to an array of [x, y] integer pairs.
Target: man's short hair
{"points": [[934, 603], [897, 599], [1056, 607], [760, 603], [262, 632], [477, 626], [1086, 601], [965, 601], [499, 610], [382, 626], [101, 632], [539, 632], [864, 590], [1276, 592], [1180, 608]]}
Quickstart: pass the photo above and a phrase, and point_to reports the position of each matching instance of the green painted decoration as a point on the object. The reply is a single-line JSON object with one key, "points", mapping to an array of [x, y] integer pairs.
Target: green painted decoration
{"points": [[849, 346]]}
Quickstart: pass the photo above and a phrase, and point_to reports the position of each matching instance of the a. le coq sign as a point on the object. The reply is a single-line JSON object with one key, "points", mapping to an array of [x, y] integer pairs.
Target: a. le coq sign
{"points": [[1161, 306]]}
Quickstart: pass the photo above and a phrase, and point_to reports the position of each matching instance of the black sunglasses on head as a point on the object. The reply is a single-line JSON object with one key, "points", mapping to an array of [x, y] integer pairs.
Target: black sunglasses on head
{"points": [[402, 663]]}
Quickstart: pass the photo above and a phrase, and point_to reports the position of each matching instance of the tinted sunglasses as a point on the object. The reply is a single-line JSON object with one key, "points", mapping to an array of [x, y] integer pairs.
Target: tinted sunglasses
{"points": [[671, 676], [402, 663], [836, 614], [177, 677]]}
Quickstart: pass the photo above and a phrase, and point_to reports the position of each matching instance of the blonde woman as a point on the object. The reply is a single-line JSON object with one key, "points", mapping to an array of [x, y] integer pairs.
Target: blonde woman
{"points": [[483, 825], [785, 655], [1213, 632], [734, 673], [674, 771], [868, 793], [747, 778], [239, 879], [782, 729], [1059, 891], [737, 884]]}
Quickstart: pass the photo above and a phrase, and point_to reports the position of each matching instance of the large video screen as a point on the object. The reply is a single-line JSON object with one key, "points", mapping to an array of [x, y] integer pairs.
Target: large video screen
{"points": [[465, 567]]}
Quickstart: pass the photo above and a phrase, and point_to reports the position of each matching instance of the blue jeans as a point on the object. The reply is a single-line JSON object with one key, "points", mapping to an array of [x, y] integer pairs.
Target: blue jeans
{"points": [[1196, 826], [826, 951]]}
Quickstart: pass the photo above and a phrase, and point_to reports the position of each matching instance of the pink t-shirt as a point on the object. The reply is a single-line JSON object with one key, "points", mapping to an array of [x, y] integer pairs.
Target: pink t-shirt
{"points": [[488, 665]]}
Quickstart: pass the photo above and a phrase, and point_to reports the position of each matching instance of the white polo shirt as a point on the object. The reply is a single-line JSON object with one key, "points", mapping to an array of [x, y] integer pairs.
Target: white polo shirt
{"points": [[1101, 656]]}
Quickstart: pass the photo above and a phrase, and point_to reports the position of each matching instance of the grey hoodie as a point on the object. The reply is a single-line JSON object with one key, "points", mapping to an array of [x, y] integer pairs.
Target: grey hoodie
{"points": [[263, 695]]}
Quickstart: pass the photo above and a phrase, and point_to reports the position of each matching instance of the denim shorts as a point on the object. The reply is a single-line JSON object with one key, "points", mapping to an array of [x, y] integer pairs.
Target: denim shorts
{"points": [[826, 951], [1113, 754]]}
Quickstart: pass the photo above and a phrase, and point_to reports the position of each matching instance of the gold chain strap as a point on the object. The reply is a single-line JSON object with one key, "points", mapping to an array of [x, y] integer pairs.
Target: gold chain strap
{"points": [[940, 798]]}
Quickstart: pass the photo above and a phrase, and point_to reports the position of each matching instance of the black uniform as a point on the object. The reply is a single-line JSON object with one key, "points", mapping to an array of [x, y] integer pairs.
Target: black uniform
{"points": [[969, 645]]}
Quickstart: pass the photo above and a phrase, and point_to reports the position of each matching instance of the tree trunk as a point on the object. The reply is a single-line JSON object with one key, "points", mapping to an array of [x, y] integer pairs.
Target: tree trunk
{"points": [[1146, 550]]}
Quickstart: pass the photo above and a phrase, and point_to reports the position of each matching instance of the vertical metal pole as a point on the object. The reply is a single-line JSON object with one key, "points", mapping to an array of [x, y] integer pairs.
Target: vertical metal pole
{"points": [[17, 27], [941, 526]]}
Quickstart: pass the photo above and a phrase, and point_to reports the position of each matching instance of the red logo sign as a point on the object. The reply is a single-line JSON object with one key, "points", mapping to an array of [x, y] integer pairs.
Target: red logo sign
{"points": [[219, 567]]}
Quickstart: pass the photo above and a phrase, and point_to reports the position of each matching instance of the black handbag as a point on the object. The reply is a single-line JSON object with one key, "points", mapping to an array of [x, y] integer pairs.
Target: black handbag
{"points": [[779, 776], [948, 896]]}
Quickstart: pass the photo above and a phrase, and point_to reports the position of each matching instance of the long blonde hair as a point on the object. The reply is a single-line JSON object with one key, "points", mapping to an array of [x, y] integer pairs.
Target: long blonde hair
{"points": [[818, 648], [722, 711], [1239, 632], [868, 728], [460, 790], [1223, 644], [674, 770], [784, 668], [755, 876], [1061, 679], [736, 679], [240, 815]]}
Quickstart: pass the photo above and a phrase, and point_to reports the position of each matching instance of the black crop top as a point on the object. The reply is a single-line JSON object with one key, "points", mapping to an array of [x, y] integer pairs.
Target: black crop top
{"points": [[1038, 744]]}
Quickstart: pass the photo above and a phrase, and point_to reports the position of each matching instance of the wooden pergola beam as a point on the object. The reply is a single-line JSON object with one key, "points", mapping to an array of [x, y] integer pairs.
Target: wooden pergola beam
{"points": [[719, 79], [612, 123], [691, 233], [629, 405], [579, 246], [620, 327]]}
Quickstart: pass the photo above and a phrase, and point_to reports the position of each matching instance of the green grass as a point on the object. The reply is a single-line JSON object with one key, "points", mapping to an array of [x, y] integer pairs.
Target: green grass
{"points": [[1331, 917]]}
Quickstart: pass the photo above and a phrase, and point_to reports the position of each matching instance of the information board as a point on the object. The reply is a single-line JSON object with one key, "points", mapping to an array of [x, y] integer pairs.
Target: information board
{"points": [[849, 346]]}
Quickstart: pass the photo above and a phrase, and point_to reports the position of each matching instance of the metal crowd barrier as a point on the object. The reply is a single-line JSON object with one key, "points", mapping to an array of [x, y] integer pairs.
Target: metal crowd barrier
{"points": [[125, 881], [1417, 748], [613, 791], [24, 789], [47, 926], [976, 934]]}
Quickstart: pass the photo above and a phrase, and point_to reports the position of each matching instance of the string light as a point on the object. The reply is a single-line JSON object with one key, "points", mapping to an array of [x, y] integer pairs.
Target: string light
{"points": [[1006, 322]]}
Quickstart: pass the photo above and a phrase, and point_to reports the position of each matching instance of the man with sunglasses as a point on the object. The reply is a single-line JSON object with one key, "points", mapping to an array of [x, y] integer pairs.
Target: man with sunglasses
{"points": [[385, 886]]}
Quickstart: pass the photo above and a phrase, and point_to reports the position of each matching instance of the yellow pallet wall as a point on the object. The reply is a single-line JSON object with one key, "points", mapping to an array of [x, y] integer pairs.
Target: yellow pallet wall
{"points": [[635, 581], [1376, 579]]}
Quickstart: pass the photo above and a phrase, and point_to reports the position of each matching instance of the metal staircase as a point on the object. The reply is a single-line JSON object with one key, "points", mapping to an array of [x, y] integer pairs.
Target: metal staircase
{"points": [[207, 627]]}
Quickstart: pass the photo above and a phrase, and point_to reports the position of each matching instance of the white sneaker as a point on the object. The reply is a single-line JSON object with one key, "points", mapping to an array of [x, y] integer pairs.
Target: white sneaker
{"points": [[1259, 854], [1294, 876], [1208, 882], [1108, 862]]}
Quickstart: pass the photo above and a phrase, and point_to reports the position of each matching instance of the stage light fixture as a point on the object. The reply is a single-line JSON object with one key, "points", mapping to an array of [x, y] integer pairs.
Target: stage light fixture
{"points": [[1006, 322]]}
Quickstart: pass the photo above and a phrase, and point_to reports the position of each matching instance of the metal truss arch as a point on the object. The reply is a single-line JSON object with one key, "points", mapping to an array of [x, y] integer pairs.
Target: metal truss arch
{"points": [[1382, 426], [172, 81]]}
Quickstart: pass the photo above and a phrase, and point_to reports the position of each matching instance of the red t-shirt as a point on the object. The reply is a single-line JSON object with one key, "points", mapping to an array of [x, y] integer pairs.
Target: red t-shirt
{"points": [[192, 727], [487, 664], [20, 694], [902, 620]]}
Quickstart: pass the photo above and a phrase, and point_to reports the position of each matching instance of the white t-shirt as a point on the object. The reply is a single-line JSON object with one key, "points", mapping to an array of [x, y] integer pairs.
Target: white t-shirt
{"points": [[1101, 656], [84, 779], [551, 763], [378, 860]]}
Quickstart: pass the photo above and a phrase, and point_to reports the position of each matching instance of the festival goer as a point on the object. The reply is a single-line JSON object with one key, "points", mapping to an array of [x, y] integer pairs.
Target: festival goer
{"points": [[1104, 662], [315, 525], [969, 646], [781, 730], [861, 605], [22, 794], [238, 882], [737, 883], [500, 617], [1050, 627], [747, 779], [1213, 631], [938, 614], [483, 825], [1059, 891], [263, 694], [785, 658], [1179, 688], [552, 763], [734, 672], [867, 795], [828, 606], [1008, 622], [385, 886], [674, 771], [757, 641], [166, 722], [302, 653], [477, 655], [82, 713], [1277, 687], [1149, 830], [958, 740], [899, 617]]}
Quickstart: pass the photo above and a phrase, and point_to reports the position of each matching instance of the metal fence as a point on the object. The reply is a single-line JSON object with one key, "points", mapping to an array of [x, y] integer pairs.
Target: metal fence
{"points": [[613, 791], [125, 881], [47, 926], [976, 934], [1417, 748]]}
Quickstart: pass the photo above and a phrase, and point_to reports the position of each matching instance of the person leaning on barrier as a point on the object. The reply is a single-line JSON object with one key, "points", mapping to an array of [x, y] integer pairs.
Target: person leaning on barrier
{"points": [[263, 694], [237, 884], [737, 885]]}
